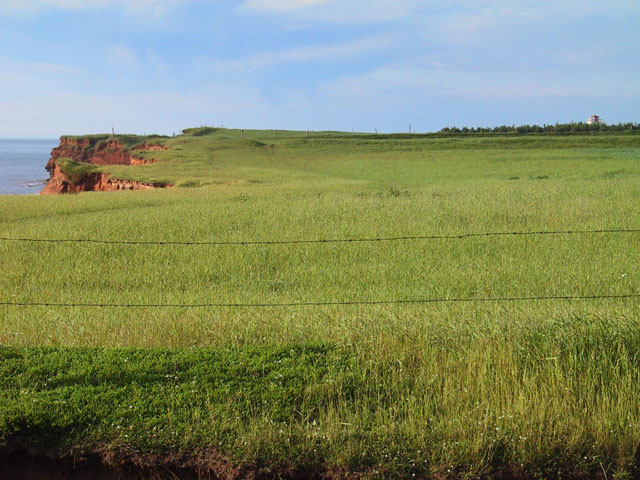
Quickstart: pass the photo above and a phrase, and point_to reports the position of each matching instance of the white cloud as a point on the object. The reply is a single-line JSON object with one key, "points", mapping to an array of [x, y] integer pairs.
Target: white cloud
{"points": [[122, 56], [464, 13], [282, 5], [337, 11], [39, 67], [300, 54], [425, 75], [152, 7], [332, 51], [23, 78], [484, 16]]}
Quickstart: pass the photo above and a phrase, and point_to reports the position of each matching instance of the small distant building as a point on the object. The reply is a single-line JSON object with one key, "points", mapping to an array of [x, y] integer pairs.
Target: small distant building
{"points": [[594, 120]]}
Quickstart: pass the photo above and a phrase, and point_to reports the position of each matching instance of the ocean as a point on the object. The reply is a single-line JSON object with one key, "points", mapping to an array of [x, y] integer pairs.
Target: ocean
{"points": [[22, 163]]}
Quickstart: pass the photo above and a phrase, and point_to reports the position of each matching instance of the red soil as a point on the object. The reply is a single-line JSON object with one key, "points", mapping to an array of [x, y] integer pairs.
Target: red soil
{"points": [[93, 182], [112, 153]]}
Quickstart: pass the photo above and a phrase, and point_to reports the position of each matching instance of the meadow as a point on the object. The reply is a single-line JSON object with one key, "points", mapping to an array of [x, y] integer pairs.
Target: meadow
{"points": [[478, 389]]}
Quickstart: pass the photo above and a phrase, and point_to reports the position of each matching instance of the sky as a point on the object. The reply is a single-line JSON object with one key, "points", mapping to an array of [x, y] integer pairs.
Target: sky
{"points": [[158, 66]]}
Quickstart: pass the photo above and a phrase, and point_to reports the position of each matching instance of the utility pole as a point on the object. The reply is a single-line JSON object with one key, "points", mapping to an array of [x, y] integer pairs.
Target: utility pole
{"points": [[409, 128]]}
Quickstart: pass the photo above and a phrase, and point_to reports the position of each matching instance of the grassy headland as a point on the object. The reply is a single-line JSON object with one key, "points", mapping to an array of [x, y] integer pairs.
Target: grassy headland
{"points": [[537, 388]]}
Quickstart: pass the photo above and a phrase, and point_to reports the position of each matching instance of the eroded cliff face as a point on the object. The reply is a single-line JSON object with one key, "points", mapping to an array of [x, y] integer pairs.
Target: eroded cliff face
{"points": [[109, 153], [93, 182]]}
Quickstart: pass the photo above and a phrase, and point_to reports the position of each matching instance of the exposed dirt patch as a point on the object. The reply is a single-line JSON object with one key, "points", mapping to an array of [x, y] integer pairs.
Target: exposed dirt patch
{"points": [[151, 147], [94, 182], [110, 153], [142, 161], [130, 466]]}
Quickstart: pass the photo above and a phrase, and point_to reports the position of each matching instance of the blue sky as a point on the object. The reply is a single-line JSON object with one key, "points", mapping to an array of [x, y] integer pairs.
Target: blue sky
{"points": [[144, 66]]}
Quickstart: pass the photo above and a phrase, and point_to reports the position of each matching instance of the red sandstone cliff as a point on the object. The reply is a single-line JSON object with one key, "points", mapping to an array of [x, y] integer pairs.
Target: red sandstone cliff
{"points": [[110, 152], [93, 182]]}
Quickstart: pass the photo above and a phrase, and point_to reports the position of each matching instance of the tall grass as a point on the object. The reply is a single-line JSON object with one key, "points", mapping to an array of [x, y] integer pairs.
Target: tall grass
{"points": [[539, 388]]}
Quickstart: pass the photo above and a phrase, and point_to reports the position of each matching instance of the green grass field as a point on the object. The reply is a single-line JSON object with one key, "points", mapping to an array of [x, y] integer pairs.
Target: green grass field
{"points": [[538, 388]]}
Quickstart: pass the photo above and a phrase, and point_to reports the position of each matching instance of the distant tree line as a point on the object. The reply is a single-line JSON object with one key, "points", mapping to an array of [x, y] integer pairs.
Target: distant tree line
{"points": [[573, 127]]}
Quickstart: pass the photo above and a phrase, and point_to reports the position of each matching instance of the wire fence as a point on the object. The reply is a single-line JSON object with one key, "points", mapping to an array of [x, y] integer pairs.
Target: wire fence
{"points": [[318, 304], [325, 240], [326, 303]]}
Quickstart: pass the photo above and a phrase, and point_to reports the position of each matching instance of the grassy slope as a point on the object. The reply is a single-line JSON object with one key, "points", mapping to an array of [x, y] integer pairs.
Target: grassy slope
{"points": [[421, 389], [74, 171]]}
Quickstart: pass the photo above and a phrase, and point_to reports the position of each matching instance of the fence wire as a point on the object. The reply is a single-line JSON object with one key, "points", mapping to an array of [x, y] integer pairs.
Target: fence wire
{"points": [[323, 303], [321, 240], [320, 304]]}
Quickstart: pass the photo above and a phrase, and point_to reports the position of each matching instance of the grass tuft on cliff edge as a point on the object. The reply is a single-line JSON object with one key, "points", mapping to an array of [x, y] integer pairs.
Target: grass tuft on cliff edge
{"points": [[128, 141], [75, 171]]}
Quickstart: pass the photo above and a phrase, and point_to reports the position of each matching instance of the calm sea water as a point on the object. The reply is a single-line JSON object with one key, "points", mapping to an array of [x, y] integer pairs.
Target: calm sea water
{"points": [[22, 163]]}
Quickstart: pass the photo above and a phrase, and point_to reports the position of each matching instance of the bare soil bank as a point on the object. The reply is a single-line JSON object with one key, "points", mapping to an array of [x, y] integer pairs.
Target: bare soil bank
{"points": [[93, 182], [129, 465], [109, 153], [133, 466], [113, 466]]}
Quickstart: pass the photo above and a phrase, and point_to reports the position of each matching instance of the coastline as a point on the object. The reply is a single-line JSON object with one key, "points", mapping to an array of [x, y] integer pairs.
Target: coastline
{"points": [[22, 162]]}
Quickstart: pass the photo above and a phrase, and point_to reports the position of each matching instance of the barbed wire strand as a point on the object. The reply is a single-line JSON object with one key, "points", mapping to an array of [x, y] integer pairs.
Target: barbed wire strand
{"points": [[312, 304], [334, 240]]}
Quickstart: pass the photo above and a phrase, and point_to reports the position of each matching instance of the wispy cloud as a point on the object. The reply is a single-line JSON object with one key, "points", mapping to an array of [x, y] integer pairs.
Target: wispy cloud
{"points": [[415, 79], [466, 13], [336, 11], [282, 5], [152, 7], [122, 56], [333, 52], [40, 67], [309, 63], [472, 16], [463, 13]]}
